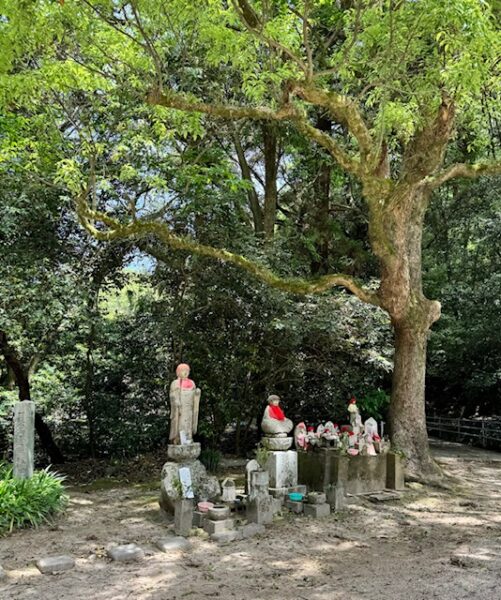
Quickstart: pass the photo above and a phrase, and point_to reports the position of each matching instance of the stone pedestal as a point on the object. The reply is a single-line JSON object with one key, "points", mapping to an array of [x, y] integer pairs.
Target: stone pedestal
{"points": [[276, 442], [24, 439], [317, 510], [261, 510], [205, 487], [283, 469], [323, 468]]}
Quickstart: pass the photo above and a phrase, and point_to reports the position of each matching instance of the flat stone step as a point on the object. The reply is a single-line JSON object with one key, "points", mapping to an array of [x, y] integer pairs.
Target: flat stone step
{"points": [[125, 552], [383, 496], [55, 564]]}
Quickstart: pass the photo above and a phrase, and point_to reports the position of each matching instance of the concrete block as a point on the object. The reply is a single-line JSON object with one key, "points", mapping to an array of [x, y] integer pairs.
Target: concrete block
{"points": [[199, 519], [212, 527], [55, 564], [336, 497], [125, 553], [295, 507], [172, 543], [316, 498], [317, 510], [394, 472]]}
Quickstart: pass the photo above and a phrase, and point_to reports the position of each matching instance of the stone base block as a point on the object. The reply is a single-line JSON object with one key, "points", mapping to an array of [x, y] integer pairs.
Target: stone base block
{"points": [[55, 564], [295, 507], [316, 498], [212, 527], [317, 510], [205, 487], [282, 468], [336, 497]]}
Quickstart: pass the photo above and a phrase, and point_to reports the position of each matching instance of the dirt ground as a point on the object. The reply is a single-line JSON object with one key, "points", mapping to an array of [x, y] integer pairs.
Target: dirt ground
{"points": [[432, 543]]}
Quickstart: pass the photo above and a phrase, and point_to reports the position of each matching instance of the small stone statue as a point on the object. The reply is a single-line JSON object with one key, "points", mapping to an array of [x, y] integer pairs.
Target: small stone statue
{"points": [[355, 418], [274, 420], [184, 406], [301, 437]]}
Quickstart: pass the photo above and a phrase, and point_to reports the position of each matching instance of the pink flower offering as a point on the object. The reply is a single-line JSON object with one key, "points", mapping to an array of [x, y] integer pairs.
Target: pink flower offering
{"points": [[352, 451], [205, 506]]}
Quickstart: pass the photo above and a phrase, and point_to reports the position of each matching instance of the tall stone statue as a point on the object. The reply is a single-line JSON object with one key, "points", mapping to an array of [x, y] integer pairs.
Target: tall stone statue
{"points": [[184, 406]]}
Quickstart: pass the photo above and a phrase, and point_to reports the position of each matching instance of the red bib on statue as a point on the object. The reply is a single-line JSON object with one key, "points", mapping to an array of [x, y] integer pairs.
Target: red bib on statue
{"points": [[277, 413]]}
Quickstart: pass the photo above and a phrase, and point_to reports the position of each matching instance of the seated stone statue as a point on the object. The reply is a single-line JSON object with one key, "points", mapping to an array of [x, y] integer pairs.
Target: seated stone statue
{"points": [[274, 420], [184, 405]]}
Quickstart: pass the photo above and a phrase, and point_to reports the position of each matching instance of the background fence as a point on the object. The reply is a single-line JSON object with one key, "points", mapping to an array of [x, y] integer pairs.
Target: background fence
{"points": [[477, 432]]}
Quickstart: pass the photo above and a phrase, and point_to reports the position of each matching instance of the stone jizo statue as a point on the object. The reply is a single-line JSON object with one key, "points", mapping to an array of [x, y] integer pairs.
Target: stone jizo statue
{"points": [[274, 420], [184, 406]]}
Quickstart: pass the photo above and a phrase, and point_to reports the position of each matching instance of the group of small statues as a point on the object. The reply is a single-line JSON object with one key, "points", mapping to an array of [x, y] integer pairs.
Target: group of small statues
{"points": [[353, 439]]}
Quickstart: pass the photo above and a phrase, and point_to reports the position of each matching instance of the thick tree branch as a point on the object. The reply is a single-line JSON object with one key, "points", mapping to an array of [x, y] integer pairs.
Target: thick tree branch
{"points": [[144, 229], [286, 112], [463, 170]]}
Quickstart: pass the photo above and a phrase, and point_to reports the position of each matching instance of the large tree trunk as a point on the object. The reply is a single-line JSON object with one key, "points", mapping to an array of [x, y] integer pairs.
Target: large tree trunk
{"points": [[407, 409]]}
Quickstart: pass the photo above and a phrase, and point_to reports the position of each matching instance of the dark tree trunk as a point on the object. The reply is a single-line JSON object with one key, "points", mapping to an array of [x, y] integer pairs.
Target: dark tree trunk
{"points": [[22, 380], [270, 141]]}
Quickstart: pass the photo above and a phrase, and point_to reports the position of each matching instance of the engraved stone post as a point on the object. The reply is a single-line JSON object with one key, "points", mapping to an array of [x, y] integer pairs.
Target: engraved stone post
{"points": [[24, 439]]}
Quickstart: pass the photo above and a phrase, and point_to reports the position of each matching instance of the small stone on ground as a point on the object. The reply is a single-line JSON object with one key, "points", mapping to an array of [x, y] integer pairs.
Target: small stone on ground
{"points": [[168, 544], [127, 552], [55, 564]]}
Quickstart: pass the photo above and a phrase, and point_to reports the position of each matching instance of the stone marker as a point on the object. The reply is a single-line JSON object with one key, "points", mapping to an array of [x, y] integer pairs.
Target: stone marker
{"points": [[282, 468], [183, 516], [251, 466], [370, 427], [259, 484], [127, 552], [172, 543], [229, 490], [199, 519], [24, 439], [317, 510], [55, 564]]}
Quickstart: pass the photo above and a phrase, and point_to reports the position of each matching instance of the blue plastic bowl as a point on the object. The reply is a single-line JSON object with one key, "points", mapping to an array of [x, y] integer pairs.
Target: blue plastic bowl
{"points": [[296, 497]]}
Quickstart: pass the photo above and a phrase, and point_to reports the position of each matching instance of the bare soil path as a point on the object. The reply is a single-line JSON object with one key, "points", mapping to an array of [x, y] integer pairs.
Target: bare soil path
{"points": [[433, 543]]}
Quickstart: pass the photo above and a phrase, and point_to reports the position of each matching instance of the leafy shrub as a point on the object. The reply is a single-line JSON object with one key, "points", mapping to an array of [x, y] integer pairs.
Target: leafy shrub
{"points": [[210, 459], [29, 502], [374, 404]]}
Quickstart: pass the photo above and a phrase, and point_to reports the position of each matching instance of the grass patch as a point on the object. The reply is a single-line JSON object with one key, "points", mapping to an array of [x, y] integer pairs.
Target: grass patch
{"points": [[29, 502]]}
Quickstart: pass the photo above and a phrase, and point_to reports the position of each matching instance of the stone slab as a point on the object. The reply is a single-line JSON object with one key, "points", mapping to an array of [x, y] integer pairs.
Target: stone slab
{"points": [[283, 469], [252, 529], [212, 527], [226, 537], [125, 553], [55, 564], [317, 510], [394, 472], [172, 543], [324, 467], [295, 507]]}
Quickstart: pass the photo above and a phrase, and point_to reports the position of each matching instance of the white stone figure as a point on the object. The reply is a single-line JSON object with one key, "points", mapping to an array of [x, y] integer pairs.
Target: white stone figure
{"points": [[184, 406], [370, 427], [330, 434], [274, 420]]}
